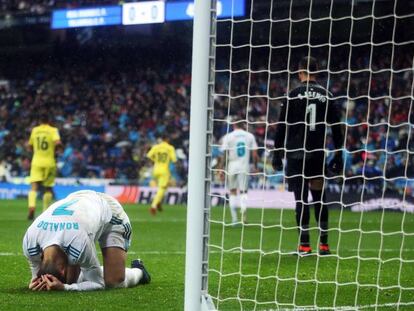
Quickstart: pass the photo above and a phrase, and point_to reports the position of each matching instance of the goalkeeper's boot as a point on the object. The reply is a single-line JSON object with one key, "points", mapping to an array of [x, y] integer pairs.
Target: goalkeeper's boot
{"points": [[146, 278], [324, 249], [159, 207], [304, 250]]}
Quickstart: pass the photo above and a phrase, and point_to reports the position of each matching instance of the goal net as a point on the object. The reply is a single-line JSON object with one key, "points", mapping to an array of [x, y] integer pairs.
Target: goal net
{"points": [[365, 52]]}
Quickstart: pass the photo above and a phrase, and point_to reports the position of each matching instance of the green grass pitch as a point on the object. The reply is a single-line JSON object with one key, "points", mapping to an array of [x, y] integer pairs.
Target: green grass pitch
{"points": [[259, 276]]}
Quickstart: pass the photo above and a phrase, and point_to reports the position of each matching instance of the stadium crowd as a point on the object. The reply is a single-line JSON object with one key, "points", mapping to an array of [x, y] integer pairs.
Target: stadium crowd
{"points": [[109, 114], [107, 119], [376, 108]]}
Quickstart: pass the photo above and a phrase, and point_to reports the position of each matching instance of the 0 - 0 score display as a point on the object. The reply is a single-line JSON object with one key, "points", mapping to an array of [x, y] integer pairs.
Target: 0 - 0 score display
{"points": [[136, 13]]}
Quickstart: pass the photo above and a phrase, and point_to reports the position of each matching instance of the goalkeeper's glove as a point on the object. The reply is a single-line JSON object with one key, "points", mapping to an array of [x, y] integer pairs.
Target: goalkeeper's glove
{"points": [[336, 165], [277, 160]]}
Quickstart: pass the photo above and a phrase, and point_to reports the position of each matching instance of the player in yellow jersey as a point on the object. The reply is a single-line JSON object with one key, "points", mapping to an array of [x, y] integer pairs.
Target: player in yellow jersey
{"points": [[162, 155], [43, 140]]}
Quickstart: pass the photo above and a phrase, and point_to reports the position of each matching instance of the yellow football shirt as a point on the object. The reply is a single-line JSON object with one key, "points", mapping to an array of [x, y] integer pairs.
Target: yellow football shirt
{"points": [[162, 154], [43, 140]]}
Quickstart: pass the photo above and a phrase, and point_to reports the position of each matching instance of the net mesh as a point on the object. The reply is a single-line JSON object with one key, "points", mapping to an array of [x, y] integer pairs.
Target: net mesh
{"points": [[365, 51]]}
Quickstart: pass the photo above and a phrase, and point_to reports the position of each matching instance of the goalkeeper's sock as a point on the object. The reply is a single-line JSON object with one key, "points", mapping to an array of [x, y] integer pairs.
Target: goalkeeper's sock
{"points": [[233, 207], [302, 221], [302, 214], [321, 215], [47, 198]]}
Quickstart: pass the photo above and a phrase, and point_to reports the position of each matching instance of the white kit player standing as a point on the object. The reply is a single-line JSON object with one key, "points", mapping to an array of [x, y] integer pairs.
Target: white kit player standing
{"points": [[60, 245], [238, 145]]}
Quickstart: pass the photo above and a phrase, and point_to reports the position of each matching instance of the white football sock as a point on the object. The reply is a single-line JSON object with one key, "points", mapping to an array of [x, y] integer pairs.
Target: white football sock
{"points": [[233, 207], [132, 276], [243, 202]]}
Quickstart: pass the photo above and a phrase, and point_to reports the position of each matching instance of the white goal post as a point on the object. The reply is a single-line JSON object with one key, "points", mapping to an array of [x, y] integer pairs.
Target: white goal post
{"points": [[197, 204], [242, 70]]}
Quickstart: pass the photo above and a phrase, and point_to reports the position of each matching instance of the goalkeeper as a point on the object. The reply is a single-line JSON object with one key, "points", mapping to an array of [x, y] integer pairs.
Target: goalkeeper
{"points": [[301, 139]]}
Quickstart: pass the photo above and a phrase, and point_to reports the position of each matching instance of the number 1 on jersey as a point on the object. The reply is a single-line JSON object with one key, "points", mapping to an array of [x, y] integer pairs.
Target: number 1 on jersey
{"points": [[311, 111]]}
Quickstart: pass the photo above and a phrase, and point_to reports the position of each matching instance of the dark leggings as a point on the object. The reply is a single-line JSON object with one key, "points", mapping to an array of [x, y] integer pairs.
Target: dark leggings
{"points": [[303, 214]]}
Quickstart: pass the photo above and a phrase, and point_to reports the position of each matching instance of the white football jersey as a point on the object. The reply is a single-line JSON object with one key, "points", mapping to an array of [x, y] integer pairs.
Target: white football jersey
{"points": [[238, 144], [74, 224]]}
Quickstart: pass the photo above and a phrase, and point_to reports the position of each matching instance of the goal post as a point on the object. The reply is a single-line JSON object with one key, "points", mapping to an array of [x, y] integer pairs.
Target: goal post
{"points": [[242, 71], [198, 174]]}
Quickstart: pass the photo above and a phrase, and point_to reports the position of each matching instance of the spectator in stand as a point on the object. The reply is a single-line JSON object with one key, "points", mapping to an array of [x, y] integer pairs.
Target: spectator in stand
{"points": [[4, 170], [102, 103]]}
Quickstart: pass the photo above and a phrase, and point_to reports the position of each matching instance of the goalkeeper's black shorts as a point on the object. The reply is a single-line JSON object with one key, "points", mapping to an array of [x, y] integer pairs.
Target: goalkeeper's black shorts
{"points": [[304, 169]]}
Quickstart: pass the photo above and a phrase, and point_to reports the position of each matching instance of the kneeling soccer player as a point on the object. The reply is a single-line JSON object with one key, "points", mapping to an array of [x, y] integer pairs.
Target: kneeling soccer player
{"points": [[60, 245]]}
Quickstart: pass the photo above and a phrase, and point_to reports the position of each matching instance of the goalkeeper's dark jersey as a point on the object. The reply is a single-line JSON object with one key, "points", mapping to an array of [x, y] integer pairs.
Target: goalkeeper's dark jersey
{"points": [[303, 122]]}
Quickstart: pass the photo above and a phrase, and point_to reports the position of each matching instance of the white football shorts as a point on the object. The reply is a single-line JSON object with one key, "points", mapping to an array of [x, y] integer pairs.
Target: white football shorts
{"points": [[237, 181], [118, 232]]}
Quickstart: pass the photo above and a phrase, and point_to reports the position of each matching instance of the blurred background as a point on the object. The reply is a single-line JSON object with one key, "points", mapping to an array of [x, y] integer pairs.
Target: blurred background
{"points": [[115, 75], [110, 90]]}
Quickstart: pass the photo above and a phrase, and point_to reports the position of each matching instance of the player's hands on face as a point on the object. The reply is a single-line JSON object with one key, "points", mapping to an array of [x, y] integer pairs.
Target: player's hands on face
{"points": [[37, 284], [52, 283]]}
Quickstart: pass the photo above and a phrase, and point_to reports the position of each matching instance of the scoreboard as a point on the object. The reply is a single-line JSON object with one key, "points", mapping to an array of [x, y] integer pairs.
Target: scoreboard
{"points": [[97, 16], [135, 13], [149, 12]]}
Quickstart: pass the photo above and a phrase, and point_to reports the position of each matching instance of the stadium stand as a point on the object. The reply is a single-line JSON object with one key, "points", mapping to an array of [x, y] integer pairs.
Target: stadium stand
{"points": [[107, 118], [379, 138], [109, 113]]}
